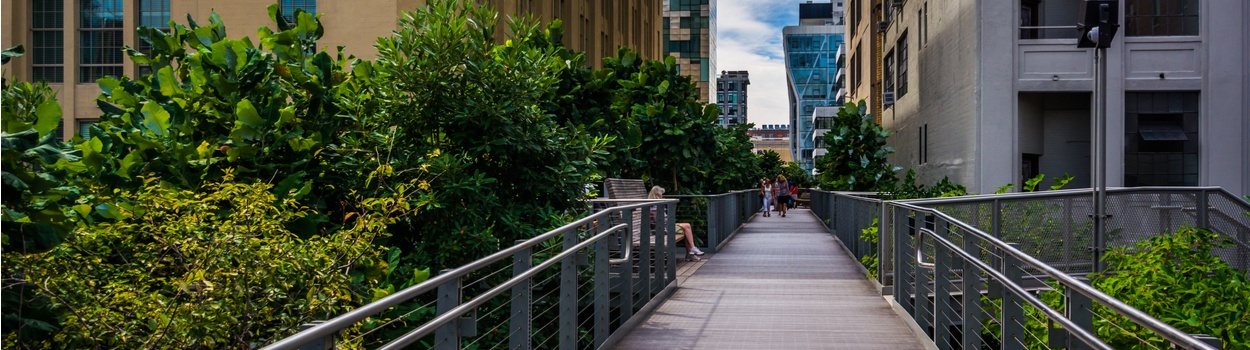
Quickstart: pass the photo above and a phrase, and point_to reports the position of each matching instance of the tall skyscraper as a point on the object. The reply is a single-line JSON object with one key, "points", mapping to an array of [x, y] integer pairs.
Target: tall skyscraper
{"points": [[690, 36], [731, 97], [811, 50]]}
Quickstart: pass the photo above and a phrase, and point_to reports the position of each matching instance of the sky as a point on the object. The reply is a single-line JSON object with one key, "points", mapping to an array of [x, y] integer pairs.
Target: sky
{"points": [[748, 37]]}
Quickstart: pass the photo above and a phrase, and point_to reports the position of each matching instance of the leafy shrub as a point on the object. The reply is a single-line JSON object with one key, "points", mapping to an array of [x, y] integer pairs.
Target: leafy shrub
{"points": [[857, 157], [1176, 279], [213, 268]]}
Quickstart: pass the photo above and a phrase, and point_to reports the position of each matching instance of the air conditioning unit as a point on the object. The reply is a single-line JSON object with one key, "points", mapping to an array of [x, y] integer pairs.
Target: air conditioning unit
{"points": [[887, 98], [882, 26]]}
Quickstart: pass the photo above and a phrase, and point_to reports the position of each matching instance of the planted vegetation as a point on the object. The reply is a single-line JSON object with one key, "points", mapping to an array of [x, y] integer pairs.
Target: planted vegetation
{"points": [[244, 188]]}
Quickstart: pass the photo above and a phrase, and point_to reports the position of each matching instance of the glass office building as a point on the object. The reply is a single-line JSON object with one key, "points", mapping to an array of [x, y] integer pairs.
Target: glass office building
{"points": [[811, 50], [689, 33]]}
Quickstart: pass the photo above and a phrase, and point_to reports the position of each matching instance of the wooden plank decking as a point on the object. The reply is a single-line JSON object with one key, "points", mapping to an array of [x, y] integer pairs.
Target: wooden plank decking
{"points": [[781, 283]]}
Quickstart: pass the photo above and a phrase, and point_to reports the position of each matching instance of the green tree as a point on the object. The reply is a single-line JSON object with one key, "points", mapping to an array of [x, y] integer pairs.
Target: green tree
{"points": [[771, 163], [857, 157]]}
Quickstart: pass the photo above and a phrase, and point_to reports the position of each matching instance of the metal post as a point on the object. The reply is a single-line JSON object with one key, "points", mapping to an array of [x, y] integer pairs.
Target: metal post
{"points": [[1100, 157], [645, 253], [1203, 210], [883, 249], [713, 225], [923, 311], [671, 248], [603, 288], [626, 297], [447, 337], [943, 259], [568, 295], [325, 343], [972, 299], [1012, 310], [1079, 309], [520, 324], [1068, 237], [661, 248], [900, 237]]}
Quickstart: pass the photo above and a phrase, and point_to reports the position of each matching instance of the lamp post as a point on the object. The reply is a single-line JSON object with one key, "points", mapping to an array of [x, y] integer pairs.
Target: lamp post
{"points": [[1099, 23]]}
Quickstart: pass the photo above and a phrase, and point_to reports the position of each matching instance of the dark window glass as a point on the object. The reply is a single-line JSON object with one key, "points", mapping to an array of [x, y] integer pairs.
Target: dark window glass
{"points": [[902, 66], [289, 6], [1161, 139], [887, 66], [152, 14], [99, 39], [47, 49], [1161, 17]]}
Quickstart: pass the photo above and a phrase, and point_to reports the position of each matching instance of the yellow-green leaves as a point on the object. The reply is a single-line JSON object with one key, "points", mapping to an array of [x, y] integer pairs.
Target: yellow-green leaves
{"points": [[49, 113]]}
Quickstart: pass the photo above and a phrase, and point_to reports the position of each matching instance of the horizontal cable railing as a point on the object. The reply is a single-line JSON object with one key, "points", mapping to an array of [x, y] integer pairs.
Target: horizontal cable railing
{"points": [[971, 270], [572, 287]]}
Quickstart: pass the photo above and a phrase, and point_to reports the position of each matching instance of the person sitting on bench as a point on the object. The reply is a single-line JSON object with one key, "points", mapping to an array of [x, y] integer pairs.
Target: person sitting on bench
{"points": [[657, 192]]}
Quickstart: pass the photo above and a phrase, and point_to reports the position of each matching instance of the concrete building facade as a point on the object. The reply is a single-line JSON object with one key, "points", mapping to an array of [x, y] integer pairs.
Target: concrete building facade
{"points": [[689, 32], [772, 137], [71, 43], [992, 92], [731, 97], [812, 72], [864, 33]]}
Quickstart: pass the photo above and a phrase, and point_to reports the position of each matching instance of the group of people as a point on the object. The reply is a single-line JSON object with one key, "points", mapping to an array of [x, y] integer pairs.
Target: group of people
{"points": [[779, 193]]}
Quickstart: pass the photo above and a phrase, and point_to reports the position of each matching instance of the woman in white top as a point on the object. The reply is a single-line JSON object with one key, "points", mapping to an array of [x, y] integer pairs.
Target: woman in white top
{"points": [[767, 190]]}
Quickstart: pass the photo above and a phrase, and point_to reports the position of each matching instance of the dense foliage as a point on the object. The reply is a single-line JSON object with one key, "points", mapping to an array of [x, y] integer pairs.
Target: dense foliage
{"points": [[167, 275], [336, 180]]}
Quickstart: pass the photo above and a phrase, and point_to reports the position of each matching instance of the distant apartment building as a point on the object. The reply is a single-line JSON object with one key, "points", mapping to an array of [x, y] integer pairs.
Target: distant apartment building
{"points": [[772, 137], [994, 92], [731, 97], [72, 43], [864, 34], [812, 72], [689, 32]]}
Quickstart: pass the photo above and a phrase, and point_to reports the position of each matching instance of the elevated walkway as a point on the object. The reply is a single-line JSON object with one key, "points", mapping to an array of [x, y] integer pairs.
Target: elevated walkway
{"points": [[780, 283]]}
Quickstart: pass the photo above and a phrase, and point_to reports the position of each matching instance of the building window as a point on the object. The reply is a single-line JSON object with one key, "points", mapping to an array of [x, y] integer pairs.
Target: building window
{"points": [[887, 66], [924, 23], [84, 128], [48, 41], [289, 6], [152, 14], [100, 39], [1161, 139], [922, 152], [1161, 17], [902, 65]]}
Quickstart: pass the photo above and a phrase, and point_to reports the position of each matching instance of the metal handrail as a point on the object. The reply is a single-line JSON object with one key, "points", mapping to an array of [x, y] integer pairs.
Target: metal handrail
{"points": [[350, 318], [1081, 333], [920, 249], [441, 320], [1137, 316]]}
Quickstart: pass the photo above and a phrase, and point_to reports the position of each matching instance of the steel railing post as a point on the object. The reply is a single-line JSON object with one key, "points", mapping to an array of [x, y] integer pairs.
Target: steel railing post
{"points": [[603, 288], [883, 249], [671, 248], [923, 309], [660, 258], [645, 253], [713, 225], [901, 283], [626, 297], [1079, 308], [1012, 311], [943, 259], [1202, 212], [568, 295], [447, 337], [520, 323], [971, 315]]}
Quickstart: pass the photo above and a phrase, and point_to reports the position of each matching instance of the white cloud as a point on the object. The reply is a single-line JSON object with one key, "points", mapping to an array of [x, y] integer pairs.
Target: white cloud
{"points": [[748, 38]]}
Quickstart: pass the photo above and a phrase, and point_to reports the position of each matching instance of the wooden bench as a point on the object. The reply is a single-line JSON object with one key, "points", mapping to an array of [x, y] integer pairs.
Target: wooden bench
{"points": [[804, 200]]}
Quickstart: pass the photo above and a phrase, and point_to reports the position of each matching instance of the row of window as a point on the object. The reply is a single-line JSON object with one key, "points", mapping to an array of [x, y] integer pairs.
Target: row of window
{"points": [[100, 35]]}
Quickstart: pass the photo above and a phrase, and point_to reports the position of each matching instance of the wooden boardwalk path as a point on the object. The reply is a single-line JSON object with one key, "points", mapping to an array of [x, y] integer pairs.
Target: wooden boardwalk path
{"points": [[781, 283]]}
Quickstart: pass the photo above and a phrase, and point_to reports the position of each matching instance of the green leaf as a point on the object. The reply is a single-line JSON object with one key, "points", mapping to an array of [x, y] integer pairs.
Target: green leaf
{"points": [[155, 118], [248, 115], [49, 114]]}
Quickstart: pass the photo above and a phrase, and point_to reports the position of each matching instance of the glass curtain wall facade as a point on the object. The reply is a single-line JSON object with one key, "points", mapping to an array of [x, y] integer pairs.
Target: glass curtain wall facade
{"points": [[811, 67], [689, 32]]}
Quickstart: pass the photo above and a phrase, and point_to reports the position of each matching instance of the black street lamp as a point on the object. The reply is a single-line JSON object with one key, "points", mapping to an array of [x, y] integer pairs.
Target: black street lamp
{"points": [[1100, 19]]}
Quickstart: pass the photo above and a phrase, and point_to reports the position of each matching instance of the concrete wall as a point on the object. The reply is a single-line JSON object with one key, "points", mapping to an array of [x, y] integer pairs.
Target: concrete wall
{"points": [[943, 92]]}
